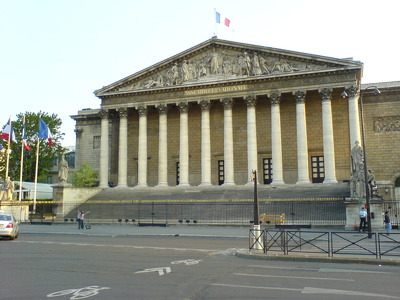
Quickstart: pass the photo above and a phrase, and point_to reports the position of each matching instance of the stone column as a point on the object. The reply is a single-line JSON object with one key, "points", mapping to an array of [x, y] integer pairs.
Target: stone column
{"points": [[327, 129], [276, 138], [142, 150], [229, 170], [354, 115], [302, 145], [184, 145], [104, 147], [123, 148], [251, 137], [163, 146], [205, 143]]}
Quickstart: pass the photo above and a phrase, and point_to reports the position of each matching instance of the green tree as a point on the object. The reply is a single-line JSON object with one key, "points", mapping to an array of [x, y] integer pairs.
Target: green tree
{"points": [[47, 155], [85, 176]]}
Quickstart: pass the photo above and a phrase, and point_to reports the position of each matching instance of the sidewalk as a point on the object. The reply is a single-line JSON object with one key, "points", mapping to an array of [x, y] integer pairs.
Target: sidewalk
{"points": [[241, 232]]}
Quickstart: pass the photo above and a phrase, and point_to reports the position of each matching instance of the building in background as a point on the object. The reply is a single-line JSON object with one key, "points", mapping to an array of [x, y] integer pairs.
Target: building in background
{"points": [[212, 114]]}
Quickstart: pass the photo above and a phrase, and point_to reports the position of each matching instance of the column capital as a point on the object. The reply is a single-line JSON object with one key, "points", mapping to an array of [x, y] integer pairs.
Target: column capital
{"points": [[300, 96], [142, 110], [162, 108], [183, 106], [275, 98], [204, 104], [103, 114], [326, 94], [353, 91], [227, 103], [250, 101], [122, 112]]}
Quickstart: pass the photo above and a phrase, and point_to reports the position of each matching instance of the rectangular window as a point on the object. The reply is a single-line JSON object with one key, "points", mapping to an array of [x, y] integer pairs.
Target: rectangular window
{"points": [[267, 170], [318, 169], [96, 142], [221, 172], [177, 173]]}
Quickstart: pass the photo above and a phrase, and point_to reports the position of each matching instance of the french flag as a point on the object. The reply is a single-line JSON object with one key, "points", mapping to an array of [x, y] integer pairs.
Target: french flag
{"points": [[8, 132], [44, 132], [227, 22], [24, 141]]}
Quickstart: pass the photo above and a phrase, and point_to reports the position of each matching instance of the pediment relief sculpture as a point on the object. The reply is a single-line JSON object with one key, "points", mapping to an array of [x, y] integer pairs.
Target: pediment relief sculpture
{"points": [[220, 64]]}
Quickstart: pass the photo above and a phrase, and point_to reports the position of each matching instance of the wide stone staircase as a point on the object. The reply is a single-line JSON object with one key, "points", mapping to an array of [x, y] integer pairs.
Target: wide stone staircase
{"points": [[216, 204]]}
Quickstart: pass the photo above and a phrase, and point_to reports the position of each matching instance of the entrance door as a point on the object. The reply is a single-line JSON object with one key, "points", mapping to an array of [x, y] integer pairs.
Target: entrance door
{"points": [[318, 169]]}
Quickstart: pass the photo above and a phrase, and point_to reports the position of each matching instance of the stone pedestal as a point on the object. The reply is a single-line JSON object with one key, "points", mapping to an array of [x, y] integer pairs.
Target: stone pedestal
{"points": [[19, 210], [353, 207], [69, 197]]}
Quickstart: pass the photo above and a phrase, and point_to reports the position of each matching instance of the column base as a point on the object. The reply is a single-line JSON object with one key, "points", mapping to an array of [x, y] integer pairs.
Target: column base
{"points": [[330, 180], [228, 183], [162, 184], [183, 184], [141, 185], [205, 184], [277, 182], [121, 186], [303, 181]]}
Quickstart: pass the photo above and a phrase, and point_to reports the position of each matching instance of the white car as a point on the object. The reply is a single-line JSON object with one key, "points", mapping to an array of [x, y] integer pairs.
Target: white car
{"points": [[8, 226]]}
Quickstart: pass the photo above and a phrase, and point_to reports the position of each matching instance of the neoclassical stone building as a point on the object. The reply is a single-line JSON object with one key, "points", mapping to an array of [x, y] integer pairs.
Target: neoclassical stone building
{"points": [[211, 114]]}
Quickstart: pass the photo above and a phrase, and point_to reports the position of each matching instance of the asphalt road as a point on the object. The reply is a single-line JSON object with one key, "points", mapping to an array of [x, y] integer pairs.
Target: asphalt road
{"points": [[59, 266]]}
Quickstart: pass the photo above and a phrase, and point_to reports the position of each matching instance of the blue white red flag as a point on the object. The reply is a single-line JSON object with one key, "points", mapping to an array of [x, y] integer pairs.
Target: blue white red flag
{"points": [[44, 132], [227, 22], [8, 132], [24, 141]]}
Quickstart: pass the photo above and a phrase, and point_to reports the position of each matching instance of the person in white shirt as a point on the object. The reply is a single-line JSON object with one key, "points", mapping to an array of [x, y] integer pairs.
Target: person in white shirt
{"points": [[363, 219]]}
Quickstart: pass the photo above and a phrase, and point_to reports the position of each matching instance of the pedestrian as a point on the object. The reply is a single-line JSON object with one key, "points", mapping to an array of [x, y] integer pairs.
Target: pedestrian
{"points": [[363, 219], [388, 225], [81, 219]]}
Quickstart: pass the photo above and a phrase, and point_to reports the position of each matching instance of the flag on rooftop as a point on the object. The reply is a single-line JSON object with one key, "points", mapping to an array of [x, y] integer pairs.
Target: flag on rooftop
{"points": [[227, 22], [8, 132], [44, 132]]}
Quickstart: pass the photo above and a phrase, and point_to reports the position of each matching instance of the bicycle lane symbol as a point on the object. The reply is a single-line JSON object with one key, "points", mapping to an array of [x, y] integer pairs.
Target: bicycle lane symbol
{"points": [[187, 262], [81, 293]]}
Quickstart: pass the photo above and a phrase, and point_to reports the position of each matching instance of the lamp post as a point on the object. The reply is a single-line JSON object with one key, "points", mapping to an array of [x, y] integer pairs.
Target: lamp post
{"points": [[366, 175]]}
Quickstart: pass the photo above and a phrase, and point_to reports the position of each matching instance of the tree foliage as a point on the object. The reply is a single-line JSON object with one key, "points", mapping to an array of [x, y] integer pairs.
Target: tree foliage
{"points": [[47, 155], [85, 176]]}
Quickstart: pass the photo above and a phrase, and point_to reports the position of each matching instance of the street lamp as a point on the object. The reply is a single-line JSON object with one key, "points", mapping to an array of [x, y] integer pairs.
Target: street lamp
{"points": [[366, 175]]}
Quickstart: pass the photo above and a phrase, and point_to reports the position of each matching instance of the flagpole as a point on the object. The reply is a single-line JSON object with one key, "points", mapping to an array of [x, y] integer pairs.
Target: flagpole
{"points": [[215, 22], [36, 175], [22, 161], [8, 149]]}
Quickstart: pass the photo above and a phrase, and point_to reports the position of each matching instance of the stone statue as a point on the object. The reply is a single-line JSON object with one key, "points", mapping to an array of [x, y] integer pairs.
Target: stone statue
{"points": [[357, 157], [7, 190], [63, 170]]}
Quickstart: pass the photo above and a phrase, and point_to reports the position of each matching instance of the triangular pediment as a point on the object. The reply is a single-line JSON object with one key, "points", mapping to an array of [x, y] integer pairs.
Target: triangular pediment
{"points": [[216, 61]]}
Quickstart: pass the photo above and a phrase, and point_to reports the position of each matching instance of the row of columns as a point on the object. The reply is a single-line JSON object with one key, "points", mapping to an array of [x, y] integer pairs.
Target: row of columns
{"points": [[252, 163]]}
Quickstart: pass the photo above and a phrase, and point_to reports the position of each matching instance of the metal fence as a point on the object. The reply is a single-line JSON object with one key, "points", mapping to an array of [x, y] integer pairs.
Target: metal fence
{"points": [[376, 244], [307, 213]]}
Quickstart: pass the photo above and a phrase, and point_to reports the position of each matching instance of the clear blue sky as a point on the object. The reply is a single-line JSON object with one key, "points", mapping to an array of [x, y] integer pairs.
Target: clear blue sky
{"points": [[55, 53]]}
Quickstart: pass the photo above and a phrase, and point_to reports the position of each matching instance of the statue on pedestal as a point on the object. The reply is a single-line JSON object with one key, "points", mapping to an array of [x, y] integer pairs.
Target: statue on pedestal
{"points": [[63, 170], [7, 190]]}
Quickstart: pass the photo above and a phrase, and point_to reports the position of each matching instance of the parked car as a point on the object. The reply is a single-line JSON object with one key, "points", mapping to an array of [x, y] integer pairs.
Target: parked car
{"points": [[8, 226]]}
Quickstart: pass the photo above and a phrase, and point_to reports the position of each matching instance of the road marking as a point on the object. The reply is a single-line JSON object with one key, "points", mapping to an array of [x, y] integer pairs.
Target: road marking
{"points": [[312, 290], [121, 246], [187, 262], [81, 293], [159, 270], [308, 290], [293, 277]]}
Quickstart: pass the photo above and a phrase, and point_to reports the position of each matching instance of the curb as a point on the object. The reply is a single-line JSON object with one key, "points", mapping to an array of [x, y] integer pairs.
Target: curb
{"points": [[348, 260]]}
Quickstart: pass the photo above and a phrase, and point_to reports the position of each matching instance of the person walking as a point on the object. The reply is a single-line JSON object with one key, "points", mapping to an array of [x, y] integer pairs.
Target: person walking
{"points": [[363, 219], [81, 219], [388, 225]]}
